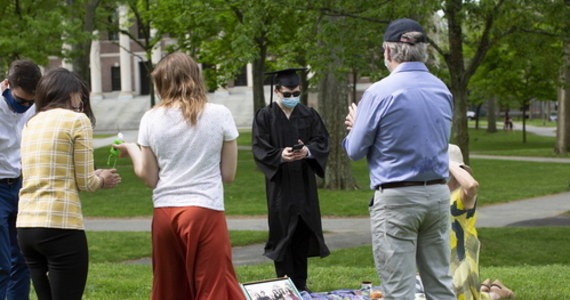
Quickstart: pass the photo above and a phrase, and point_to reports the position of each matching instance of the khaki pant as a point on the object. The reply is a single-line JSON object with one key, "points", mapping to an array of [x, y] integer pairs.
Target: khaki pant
{"points": [[410, 233]]}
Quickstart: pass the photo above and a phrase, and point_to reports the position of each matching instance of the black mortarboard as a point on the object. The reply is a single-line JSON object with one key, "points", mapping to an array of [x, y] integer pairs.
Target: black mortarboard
{"points": [[287, 78], [398, 27]]}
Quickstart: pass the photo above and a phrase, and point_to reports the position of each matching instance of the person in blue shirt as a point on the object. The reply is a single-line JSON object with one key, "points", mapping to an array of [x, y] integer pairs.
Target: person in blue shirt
{"points": [[402, 126]]}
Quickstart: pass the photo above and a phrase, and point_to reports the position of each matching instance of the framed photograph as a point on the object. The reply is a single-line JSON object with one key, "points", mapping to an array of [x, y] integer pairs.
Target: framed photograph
{"points": [[272, 289]]}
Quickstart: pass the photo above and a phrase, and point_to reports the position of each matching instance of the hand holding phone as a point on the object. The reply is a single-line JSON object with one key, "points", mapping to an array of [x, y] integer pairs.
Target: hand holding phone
{"points": [[297, 147]]}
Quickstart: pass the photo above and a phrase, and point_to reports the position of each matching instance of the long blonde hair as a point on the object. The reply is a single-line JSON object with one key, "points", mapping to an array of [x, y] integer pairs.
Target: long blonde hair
{"points": [[179, 83]]}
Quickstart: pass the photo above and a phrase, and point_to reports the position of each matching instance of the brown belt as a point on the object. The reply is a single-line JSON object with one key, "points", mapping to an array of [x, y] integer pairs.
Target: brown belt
{"points": [[390, 185], [10, 180]]}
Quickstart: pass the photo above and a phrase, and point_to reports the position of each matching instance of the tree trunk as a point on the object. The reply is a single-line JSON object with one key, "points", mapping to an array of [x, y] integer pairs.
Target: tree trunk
{"points": [[304, 77], [477, 114], [524, 110], [80, 63], [459, 130], [333, 100], [150, 67], [258, 76], [563, 124], [492, 115], [354, 91], [458, 81]]}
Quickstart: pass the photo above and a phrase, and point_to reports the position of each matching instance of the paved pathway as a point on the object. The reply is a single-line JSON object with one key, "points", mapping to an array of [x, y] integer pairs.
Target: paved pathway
{"points": [[352, 232], [523, 158], [115, 115]]}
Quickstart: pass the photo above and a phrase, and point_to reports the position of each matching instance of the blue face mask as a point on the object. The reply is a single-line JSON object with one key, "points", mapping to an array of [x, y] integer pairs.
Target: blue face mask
{"points": [[290, 102], [17, 107]]}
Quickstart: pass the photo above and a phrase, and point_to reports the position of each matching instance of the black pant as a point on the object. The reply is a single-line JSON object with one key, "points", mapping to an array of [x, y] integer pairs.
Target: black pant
{"points": [[294, 263], [58, 261]]}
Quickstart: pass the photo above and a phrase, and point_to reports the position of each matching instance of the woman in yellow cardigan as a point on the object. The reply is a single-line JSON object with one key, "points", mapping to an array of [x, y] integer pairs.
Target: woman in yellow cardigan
{"points": [[57, 162]]}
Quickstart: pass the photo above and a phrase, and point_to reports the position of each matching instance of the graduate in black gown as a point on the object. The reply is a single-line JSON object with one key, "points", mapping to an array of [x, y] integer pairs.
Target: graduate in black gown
{"points": [[295, 231]]}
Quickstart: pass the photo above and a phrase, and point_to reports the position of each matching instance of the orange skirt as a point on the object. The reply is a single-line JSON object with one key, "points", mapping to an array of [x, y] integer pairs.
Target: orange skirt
{"points": [[192, 255]]}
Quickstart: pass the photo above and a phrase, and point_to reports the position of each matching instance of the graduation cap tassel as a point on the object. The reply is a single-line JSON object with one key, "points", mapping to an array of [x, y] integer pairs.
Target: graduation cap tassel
{"points": [[271, 91]]}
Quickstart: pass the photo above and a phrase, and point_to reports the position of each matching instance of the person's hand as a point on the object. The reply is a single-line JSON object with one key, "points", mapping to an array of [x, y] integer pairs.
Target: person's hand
{"points": [[302, 153], [349, 119], [4, 85], [110, 178], [289, 155], [123, 148]]}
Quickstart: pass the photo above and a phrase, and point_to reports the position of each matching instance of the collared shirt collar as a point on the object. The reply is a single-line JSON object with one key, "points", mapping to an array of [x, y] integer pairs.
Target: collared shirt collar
{"points": [[411, 66]]}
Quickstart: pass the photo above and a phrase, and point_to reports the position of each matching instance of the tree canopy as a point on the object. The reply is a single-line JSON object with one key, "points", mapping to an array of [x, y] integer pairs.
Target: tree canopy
{"points": [[508, 50]]}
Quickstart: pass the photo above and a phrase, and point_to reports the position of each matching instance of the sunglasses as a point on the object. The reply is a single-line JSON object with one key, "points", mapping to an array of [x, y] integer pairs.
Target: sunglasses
{"points": [[288, 94], [23, 101]]}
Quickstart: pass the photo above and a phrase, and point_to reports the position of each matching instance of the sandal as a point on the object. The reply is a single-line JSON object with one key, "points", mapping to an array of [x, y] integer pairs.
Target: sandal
{"points": [[500, 289], [486, 285]]}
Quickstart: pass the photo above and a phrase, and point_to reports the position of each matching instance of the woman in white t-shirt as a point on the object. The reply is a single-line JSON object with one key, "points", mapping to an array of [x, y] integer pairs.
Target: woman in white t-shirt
{"points": [[187, 150]]}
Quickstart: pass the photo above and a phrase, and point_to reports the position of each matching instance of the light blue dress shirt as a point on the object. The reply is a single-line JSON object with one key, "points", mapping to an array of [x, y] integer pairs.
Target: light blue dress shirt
{"points": [[402, 126]]}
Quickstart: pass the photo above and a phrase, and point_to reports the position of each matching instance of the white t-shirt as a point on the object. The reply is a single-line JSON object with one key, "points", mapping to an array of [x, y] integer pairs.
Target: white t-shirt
{"points": [[11, 125], [188, 156]]}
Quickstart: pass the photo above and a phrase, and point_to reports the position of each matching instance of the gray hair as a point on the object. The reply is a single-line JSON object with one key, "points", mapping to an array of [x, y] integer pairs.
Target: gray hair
{"points": [[408, 49]]}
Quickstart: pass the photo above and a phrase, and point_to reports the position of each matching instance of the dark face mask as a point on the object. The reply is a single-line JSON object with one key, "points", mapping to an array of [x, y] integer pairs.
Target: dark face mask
{"points": [[13, 103]]}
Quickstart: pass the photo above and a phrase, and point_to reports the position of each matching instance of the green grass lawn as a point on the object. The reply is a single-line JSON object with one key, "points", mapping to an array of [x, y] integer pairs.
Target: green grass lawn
{"points": [[246, 196], [510, 144], [534, 262], [534, 122], [540, 271], [118, 246], [538, 123]]}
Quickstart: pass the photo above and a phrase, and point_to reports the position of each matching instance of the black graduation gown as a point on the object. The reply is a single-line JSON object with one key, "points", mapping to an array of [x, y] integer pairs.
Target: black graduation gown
{"points": [[291, 186]]}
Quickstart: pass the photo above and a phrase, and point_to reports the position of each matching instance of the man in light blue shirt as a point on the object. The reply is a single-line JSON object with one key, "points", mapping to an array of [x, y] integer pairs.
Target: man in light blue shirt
{"points": [[402, 127]]}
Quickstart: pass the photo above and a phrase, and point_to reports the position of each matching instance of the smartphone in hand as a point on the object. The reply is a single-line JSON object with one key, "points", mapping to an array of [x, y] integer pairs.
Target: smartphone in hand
{"points": [[297, 147]]}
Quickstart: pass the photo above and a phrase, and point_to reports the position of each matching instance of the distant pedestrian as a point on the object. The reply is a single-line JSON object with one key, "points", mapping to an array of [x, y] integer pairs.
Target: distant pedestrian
{"points": [[188, 149], [402, 126], [508, 126]]}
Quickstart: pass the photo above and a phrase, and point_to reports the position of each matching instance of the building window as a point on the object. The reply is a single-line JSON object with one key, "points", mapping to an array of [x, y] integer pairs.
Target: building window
{"points": [[144, 67], [115, 78], [241, 78], [113, 33]]}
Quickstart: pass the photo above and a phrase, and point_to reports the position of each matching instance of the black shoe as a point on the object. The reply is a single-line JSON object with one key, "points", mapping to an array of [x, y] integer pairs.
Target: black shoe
{"points": [[305, 288]]}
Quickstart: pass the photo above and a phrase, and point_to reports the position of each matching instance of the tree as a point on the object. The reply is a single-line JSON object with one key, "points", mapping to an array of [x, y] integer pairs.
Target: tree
{"points": [[84, 15], [33, 30], [563, 132], [342, 41], [518, 70], [230, 34], [339, 38], [515, 74], [480, 24], [332, 93], [533, 79]]}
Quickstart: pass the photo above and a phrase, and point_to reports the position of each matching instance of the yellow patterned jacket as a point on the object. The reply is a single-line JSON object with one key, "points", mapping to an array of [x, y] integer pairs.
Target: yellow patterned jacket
{"points": [[57, 162]]}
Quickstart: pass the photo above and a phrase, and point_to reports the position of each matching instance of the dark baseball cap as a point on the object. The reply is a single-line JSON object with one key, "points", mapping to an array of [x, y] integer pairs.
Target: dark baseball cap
{"points": [[398, 27]]}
